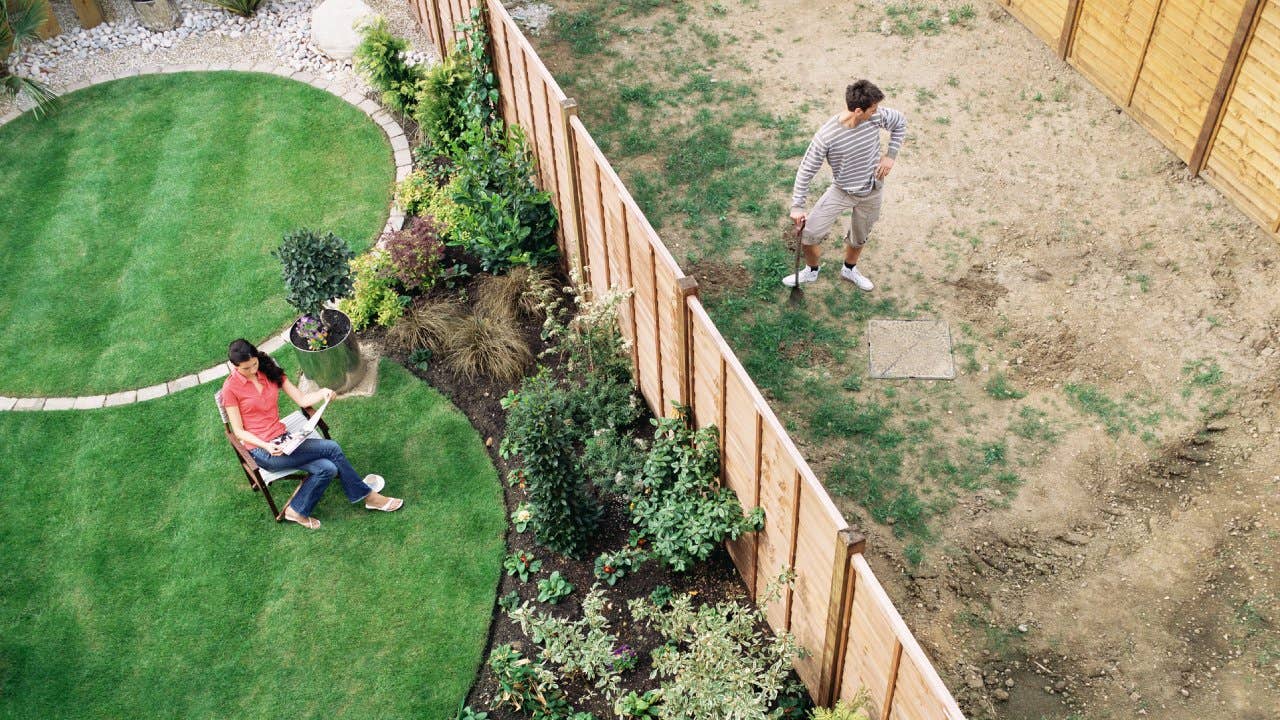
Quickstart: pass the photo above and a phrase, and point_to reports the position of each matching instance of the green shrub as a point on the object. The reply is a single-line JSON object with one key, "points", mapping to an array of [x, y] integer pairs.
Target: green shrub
{"points": [[681, 507], [316, 269], [527, 685], [380, 58], [580, 648], [613, 460], [442, 96], [554, 587], [374, 297], [612, 567], [417, 254], [541, 431], [715, 664]]}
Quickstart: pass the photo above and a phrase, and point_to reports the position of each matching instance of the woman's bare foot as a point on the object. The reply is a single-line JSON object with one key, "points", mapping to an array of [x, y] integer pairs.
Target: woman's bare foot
{"points": [[309, 523], [377, 501]]}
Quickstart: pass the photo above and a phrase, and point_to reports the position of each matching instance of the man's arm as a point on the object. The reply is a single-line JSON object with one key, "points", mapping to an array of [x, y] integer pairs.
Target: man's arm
{"points": [[809, 166], [896, 123]]}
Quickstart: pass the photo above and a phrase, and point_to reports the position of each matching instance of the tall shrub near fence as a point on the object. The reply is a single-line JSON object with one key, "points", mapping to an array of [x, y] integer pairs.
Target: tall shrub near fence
{"points": [[835, 608]]}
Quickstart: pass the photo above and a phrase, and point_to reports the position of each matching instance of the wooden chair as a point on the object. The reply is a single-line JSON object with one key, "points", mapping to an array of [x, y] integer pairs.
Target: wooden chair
{"points": [[259, 479]]}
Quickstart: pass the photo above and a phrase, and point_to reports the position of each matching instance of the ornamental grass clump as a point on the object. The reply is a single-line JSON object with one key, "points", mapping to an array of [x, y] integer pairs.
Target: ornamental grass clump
{"points": [[425, 325], [20, 23], [518, 293], [477, 344], [243, 8]]}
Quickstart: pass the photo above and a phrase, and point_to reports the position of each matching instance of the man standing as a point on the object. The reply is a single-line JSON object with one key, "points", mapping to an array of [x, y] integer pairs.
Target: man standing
{"points": [[850, 143]]}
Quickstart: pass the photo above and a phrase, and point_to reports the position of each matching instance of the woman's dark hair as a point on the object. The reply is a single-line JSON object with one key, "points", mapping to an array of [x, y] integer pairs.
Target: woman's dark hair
{"points": [[240, 350], [862, 95]]}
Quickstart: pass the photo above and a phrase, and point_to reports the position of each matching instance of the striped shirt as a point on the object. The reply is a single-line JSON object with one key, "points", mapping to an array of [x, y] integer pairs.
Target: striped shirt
{"points": [[854, 153]]}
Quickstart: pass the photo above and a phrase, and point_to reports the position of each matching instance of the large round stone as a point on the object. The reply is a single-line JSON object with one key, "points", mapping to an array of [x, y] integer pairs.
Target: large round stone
{"points": [[333, 26]]}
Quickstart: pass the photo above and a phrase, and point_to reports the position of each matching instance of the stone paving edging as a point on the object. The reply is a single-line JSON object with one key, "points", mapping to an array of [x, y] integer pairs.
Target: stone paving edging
{"points": [[341, 88]]}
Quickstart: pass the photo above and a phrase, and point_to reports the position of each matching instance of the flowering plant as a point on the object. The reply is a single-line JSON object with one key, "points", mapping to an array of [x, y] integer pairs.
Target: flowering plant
{"points": [[624, 658], [313, 331], [521, 516]]}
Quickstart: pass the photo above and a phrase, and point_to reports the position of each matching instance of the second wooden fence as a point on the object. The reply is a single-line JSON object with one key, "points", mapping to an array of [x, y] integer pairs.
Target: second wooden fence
{"points": [[1203, 76], [835, 608]]}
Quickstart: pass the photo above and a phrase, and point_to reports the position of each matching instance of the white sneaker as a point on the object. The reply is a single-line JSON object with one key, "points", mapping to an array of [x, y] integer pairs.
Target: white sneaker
{"points": [[857, 278], [806, 276]]}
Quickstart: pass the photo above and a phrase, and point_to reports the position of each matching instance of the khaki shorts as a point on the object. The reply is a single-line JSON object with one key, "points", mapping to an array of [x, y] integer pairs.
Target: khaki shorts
{"points": [[866, 210]]}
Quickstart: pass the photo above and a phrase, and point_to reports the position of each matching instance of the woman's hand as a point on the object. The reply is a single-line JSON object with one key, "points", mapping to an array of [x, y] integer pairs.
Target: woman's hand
{"points": [[274, 449]]}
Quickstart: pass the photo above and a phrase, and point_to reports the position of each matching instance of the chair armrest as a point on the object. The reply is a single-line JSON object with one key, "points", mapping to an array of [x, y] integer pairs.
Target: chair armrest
{"points": [[242, 451]]}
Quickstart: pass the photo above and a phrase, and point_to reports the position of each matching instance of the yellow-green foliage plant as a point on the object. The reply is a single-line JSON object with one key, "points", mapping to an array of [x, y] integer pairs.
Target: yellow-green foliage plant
{"points": [[853, 709], [374, 297], [418, 194]]}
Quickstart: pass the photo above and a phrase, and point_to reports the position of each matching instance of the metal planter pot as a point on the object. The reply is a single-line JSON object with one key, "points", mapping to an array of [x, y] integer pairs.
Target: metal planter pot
{"points": [[337, 367]]}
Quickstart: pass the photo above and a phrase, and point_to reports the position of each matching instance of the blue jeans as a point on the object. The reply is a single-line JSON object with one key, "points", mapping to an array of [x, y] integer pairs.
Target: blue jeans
{"points": [[323, 459]]}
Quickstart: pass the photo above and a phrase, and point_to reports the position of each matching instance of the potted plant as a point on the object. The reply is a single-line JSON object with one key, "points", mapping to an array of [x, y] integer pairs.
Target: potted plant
{"points": [[317, 270]]}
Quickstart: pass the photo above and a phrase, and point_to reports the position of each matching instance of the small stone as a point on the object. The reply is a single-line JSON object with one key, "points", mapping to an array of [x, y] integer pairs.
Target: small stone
{"points": [[1023, 628], [1000, 695]]}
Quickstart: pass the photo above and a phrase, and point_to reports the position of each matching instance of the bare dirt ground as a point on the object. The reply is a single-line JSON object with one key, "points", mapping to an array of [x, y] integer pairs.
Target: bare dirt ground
{"points": [[1137, 569]]}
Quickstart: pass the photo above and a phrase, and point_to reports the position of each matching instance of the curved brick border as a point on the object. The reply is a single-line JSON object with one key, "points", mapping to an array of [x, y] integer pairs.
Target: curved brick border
{"points": [[340, 87]]}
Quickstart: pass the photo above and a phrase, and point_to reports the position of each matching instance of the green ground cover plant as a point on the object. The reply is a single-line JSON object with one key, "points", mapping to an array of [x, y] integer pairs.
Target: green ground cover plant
{"points": [[149, 581], [148, 209]]}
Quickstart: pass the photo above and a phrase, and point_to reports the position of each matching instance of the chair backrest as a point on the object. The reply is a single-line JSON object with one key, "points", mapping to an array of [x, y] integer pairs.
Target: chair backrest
{"points": [[217, 400]]}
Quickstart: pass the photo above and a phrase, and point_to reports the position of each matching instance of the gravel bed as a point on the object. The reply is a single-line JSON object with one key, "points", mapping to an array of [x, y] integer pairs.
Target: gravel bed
{"points": [[279, 32]]}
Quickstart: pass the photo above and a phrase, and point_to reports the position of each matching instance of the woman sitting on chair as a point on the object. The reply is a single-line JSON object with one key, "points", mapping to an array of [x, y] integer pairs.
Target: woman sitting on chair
{"points": [[251, 396]]}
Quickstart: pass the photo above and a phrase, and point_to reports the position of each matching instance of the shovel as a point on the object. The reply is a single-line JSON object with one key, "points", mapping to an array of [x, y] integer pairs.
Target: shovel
{"points": [[797, 295]]}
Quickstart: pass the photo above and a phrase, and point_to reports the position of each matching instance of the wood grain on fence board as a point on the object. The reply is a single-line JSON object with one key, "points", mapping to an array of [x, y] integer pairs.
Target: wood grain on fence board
{"points": [[816, 542], [1045, 18], [1244, 159]]}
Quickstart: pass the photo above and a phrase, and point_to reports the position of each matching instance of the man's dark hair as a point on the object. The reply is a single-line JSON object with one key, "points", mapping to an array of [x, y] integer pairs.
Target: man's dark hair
{"points": [[862, 95]]}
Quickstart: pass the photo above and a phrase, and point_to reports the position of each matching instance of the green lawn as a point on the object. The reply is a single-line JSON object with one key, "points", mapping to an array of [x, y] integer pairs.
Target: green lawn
{"points": [[141, 578], [138, 222]]}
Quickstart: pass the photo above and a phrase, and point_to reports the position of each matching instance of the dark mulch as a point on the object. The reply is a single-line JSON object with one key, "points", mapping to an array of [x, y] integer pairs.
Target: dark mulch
{"points": [[713, 581]]}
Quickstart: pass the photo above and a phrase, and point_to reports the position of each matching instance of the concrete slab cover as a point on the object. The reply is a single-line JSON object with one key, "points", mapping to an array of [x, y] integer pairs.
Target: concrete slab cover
{"points": [[910, 349]]}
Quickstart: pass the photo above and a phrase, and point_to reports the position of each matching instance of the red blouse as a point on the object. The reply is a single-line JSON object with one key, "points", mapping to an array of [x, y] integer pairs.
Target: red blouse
{"points": [[259, 410]]}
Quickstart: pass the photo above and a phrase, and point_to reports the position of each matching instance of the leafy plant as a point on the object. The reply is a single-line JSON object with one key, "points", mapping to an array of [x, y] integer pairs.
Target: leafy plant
{"points": [[612, 567], [243, 8], [625, 658], [554, 587], [521, 516], [526, 685], [520, 564], [374, 297], [661, 595], [420, 359], [631, 705], [316, 269], [613, 461], [441, 99], [416, 254], [851, 709], [20, 22], [510, 601], [466, 713], [715, 664], [580, 648], [682, 507], [540, 431], [380, 58]]}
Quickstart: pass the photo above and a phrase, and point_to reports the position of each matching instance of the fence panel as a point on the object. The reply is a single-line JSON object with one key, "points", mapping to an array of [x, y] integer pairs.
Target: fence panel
{"points": [[1045, 18], [1184, 60], [1244, 159], [680, 355], [1110, 40], [817, 526]]}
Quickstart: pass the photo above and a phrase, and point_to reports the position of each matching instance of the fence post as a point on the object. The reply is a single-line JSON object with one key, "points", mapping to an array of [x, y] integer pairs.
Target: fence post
{"points": [[572, 216], [1249, 15], [685, 287], [848, 543], [1068, 28]]}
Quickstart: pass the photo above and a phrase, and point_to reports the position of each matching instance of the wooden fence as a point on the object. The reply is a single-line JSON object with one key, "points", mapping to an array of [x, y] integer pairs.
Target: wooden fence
{"points": [[835, 608], [1203, 76]]}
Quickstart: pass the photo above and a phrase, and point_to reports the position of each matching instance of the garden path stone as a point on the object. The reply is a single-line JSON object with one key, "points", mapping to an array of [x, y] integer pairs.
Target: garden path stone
{"points": [[919, 349], [120, 398], [395, 221]]}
